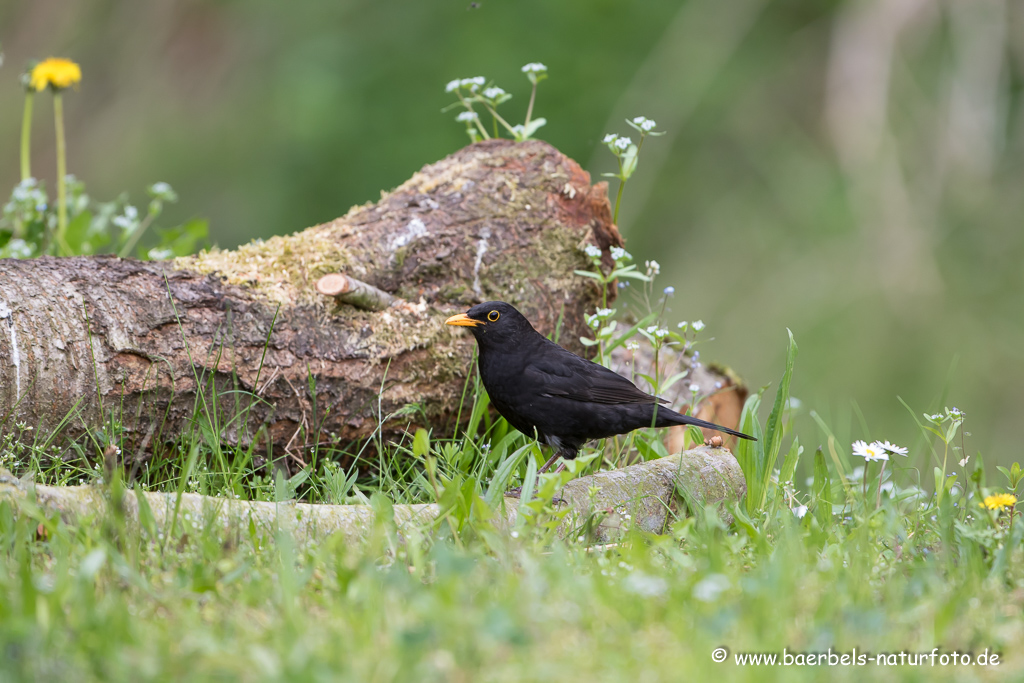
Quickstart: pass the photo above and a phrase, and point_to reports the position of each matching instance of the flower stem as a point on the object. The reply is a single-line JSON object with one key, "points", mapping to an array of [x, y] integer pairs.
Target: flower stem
{"points": [[133, 239], [62, 190], [618, 199], [529, 107], [878, 495], [498, 117], [26, 136]]}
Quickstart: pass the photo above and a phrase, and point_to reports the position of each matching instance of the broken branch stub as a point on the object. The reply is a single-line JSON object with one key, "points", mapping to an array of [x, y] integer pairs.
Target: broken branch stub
{"points": [[355, 292]]}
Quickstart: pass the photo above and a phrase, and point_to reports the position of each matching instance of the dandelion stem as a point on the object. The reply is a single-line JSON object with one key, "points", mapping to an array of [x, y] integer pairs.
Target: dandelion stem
{"points": [[26, 136], [62, 190]]}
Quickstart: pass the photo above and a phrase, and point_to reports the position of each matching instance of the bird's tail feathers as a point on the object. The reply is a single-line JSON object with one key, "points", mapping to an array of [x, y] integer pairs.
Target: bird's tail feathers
{"points": [[679, 418]]}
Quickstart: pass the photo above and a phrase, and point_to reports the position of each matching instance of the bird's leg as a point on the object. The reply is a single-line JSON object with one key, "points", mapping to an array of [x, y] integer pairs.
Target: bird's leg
{"points": [[551, 461], [517, 491]]}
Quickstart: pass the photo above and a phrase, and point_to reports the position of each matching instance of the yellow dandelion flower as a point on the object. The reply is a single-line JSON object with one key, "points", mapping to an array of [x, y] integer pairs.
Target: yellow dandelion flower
{"points": [[56, 72], [1000, 500]]}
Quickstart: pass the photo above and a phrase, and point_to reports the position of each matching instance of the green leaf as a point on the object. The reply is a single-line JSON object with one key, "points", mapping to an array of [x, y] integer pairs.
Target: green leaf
{"points": [[502, 476], [533, 127], [421, 443], [750, 454], [790, 463], [181, 240], [77, 234], [629, 161], [774, 426]]}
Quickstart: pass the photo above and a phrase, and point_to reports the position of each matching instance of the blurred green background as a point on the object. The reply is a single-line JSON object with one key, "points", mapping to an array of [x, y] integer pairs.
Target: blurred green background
{"points": [[852, 171]]}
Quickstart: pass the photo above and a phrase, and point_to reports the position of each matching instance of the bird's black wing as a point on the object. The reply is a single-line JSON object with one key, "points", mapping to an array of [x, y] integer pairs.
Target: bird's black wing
{"points": [[557, 372]]}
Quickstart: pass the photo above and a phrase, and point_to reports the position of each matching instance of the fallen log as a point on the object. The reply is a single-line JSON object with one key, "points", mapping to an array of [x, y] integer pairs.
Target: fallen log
{"points": [[241, 342], [646, 496]]}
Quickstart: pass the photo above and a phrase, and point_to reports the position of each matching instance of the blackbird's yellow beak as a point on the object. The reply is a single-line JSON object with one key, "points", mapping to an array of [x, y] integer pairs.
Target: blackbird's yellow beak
{"points": [[462, 320]]}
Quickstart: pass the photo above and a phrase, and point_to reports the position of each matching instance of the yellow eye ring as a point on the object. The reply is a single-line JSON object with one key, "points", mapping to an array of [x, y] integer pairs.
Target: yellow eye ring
{"points": [[493, 316]]}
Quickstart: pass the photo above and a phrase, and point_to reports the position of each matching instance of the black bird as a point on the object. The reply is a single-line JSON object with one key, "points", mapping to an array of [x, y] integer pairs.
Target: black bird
{"points": [[553, 394]]}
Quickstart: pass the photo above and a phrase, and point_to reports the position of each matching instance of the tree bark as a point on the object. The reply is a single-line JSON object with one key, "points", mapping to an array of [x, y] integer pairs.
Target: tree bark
{"points": [[240, 344]]}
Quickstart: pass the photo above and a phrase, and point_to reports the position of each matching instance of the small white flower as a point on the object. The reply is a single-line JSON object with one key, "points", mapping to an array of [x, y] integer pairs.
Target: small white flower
{"points": [[698, 325], [694, 388], [651, 329], [623, 143], [473, 84], [610, 138], [605, 312], [452, 85], [967, 459], [160, 187], [682, 325], [126, 221], [592, 251], [870, 451], [618, 254], [466, 116], [956, 412], [534, 67], [632, 345], [669, 291], [653, 267], [515, 534], [493, 93], [800, 511], [644, 123], [661, 333], [893, 448]]}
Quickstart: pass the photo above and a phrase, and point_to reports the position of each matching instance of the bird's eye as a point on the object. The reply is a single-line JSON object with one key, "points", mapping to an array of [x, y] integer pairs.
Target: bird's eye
{"points": [[493, 316]]}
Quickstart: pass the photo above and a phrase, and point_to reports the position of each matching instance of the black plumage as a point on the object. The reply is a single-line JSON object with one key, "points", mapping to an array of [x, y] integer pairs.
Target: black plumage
{"points": [[553, 394]]}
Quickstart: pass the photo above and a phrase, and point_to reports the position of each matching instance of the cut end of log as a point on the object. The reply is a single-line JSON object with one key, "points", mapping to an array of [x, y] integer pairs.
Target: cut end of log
{"points": [[332, 284]]}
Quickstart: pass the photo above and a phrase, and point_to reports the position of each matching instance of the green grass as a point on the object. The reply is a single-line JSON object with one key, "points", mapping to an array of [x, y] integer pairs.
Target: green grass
{"points": [[878, 563]]}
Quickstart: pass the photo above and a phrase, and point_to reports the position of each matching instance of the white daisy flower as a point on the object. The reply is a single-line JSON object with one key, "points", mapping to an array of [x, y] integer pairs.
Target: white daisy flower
{"points": [[892, 448], [870, 451]]}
